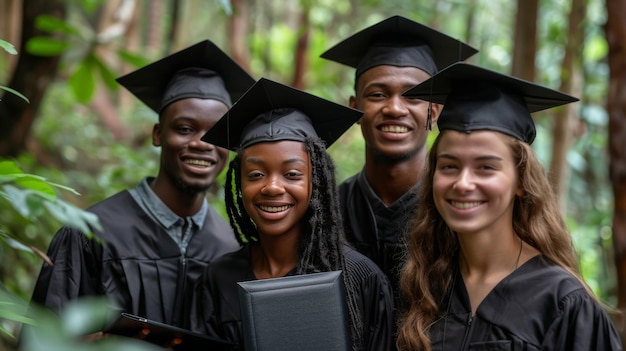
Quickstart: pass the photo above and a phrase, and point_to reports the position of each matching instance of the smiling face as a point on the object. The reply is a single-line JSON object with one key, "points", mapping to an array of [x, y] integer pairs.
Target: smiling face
{"points": [[475, 181], [276, 186], [188, 163], [393, 126]]}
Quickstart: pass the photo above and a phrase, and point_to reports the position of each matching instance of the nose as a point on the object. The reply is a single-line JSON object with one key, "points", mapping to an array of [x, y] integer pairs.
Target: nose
{"points": [[272, 186], [464, 182], [395, 107], [198, 144]]}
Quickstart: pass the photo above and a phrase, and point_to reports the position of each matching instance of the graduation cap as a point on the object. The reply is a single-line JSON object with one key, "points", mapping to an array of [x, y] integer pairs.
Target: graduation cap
{"points": [[476, 98], [398, 41], [271, 111], [200, 71]]}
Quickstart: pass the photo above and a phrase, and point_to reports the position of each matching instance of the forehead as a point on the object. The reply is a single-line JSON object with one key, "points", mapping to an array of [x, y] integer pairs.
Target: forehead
{"points": [[475, 144], [386, 75], [279, 151], [204, 109]]}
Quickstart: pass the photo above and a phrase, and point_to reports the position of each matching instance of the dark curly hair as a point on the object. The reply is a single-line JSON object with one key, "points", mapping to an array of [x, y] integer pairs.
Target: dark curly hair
{"points": [[322, 241]]}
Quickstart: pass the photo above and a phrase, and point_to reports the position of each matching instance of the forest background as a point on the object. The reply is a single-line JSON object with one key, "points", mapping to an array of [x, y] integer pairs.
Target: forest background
{"points": [[81, 130]]}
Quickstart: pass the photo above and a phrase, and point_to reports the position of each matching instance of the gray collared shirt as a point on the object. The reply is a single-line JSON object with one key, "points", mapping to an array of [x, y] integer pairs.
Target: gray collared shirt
{"points": [[160, 213]]}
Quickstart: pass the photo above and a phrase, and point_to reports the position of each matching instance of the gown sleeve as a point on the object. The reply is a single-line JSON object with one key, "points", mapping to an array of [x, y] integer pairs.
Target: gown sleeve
{"points": [[582, 325], [75, 271], [202, 309], [375, 299]]}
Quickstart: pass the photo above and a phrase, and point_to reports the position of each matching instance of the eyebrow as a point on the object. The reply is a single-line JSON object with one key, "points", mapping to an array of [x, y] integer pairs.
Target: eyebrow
{"points": [[479, 158], [385, 84], [257, 160]]}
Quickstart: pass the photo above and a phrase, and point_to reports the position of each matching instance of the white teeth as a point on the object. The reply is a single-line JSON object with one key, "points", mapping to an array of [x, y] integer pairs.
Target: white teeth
{"points": [[201, 163], [274, 209], [465, 205], [394, 129]]}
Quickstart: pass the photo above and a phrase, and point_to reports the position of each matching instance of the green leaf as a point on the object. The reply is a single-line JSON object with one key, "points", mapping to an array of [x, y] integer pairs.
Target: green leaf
{"points": [[73, 216], [107, 76], [46, 46], [133, 59], [67, 188], [9, 167], [17, 197], [8, 47], [52, 24], [14, 243], [38, 185], [16, 93], [86, 315], [82, 80]]}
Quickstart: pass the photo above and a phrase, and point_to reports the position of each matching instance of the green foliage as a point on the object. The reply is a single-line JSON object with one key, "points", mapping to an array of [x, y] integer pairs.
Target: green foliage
{"points": [[32, 197], [8, 47], [75, 148], [45, 331]]}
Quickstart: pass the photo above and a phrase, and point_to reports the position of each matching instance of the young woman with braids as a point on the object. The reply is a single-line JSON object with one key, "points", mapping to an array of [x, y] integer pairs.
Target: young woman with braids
{"points": [[491, 265], [282, 204]]}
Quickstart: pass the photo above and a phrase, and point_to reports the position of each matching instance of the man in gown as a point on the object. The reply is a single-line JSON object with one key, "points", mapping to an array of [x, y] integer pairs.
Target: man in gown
{"points": [[157, 237], [390, 57]]}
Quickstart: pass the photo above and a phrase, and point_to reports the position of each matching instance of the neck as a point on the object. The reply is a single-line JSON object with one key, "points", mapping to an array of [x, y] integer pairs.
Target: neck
{"points": [[274, 257], [494, 255], [182, 203], [390, 180]]}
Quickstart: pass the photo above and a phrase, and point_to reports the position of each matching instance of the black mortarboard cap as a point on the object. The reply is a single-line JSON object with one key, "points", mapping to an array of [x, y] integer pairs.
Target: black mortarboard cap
{"points": [[476, 98], [398, 41], [199, 71], [271, 111]]}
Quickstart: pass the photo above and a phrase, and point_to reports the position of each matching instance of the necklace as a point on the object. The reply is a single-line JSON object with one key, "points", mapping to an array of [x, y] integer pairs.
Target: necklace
{"points": [[519, 254]]}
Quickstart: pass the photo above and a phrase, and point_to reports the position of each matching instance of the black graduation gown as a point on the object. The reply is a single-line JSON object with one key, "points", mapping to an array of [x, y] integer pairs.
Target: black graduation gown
{"points": [[384, 243], [139, 266], [539, 306], [217, 311]]}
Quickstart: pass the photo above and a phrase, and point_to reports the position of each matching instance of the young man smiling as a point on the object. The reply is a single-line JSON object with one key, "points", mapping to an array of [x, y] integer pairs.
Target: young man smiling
{"points": [[158, 236], [390, 57]]}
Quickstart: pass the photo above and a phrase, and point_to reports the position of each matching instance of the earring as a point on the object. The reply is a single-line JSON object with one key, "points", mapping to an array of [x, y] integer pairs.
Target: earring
{"points": [[429, 118]]}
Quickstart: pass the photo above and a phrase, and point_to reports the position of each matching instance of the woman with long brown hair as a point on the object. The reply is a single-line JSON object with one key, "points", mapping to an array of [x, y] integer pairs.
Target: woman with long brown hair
{"points": [[491, 265]]}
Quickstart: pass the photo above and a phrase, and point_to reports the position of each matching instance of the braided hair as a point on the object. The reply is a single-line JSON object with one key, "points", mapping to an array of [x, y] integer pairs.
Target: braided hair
{"points": [[322, 240]]}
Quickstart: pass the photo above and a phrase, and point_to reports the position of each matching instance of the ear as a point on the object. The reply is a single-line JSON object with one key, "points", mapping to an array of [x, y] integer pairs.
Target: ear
{"points": [[519, 192], [156, 135], [352, 103], [435, 109]]}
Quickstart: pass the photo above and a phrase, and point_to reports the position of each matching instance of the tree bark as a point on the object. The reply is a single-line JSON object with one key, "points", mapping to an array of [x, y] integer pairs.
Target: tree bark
{"points": [[525, 39], [616, 106], [565, 118], [10, 27], [302, 48], [32, 76], [237, 32]]}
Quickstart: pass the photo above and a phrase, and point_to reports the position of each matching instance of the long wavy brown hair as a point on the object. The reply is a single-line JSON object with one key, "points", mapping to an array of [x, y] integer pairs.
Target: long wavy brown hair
{"points": [[433, 247]]}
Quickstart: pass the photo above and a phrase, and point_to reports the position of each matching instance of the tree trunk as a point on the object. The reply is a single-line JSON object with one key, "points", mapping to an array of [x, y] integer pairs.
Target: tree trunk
{"points": [[237, 32], [32, 76], [302, 48], [565, 118], [10, 27], [469, 21], [525, 39], [616, 107]]}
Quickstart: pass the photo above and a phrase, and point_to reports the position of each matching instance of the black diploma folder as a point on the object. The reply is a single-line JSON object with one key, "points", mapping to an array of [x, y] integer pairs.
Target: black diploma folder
{"points": [[165, 335], [303, 312]]}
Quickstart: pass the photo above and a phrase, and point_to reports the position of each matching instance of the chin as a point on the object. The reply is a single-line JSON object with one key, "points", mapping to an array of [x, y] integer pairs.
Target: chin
{"points": [[193, 188]]}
